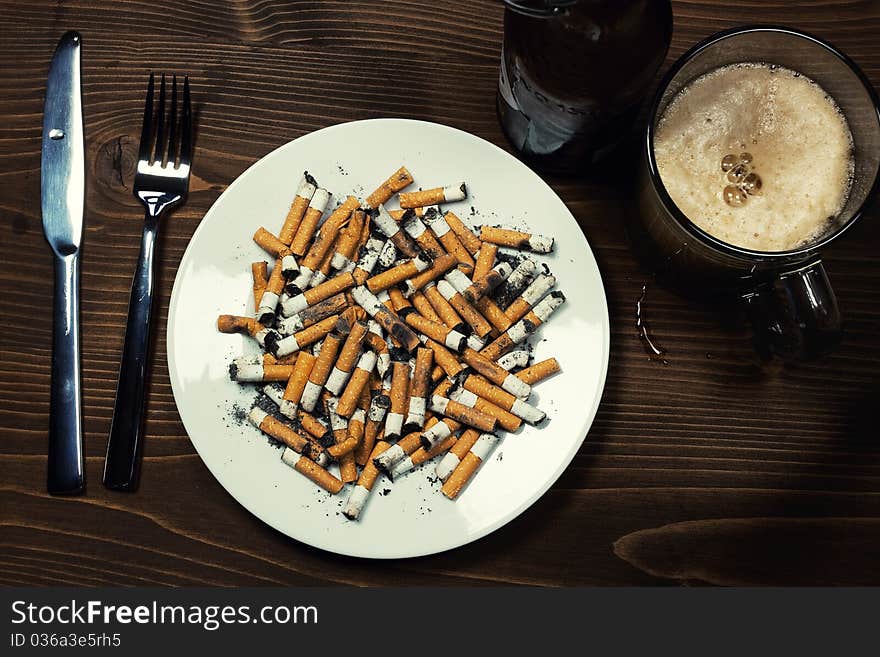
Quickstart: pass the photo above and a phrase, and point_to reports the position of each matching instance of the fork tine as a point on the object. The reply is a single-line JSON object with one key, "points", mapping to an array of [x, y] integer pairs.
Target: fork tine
{"points": [[173, 127], [186, 126], [160, 124], [147, 129]]}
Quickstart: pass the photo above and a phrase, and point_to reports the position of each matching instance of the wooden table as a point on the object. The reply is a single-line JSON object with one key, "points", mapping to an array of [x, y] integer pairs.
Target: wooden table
{"points": [[710, 469]]}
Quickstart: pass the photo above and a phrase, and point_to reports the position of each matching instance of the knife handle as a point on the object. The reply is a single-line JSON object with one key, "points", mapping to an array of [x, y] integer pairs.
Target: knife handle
{"points": [[122, 464], [65, 474]]}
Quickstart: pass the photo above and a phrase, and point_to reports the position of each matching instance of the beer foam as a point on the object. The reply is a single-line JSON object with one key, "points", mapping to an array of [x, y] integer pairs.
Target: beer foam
{"points": [[801, 145]]}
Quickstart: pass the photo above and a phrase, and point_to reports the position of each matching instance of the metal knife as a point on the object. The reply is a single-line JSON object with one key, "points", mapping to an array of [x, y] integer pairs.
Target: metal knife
{"points": [[62, 186]]}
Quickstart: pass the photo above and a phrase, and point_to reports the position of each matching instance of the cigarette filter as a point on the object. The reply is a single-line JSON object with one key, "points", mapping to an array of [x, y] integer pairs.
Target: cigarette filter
{"points": [[530, 296], [243, 371], [438, 332], [465, 235], [438, 431], [461, 413], [301, 339], [351, 395], [359, 494], [270, 244], [483, 286], [423, 307], [297, 383], [312, 470], [445, 359], [423, 235], [421, 455], [260, 274], [313, 314], [315, 295], [480, 325], [439, 267], [507, 420], [355, 434], [348, 356], [321, 370], [457, 452], [449, 239], [339, 426], [390, 228], [397, 274], [421, 378], [469, 465], [375, 417], [516, 239], [347, 243], [368, 258], [386, 319], [524, 327], [539, 371], [304, 193], [269, 301], [284, 433], [518, 280], [483, 388], [309, 224], [376, 342], [328, 234], [400, 374], [443, 308], [449, 194], [395, 182], [394, 454], [496, 374]]}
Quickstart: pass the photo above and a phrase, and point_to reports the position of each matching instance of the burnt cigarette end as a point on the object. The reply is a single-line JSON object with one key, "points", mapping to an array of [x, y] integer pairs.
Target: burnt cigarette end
{"points": [[233, 371], [407, 215], [266, 319], [426, 444], [271, 342], [382, 401], [292, 289], [310, 179], [529, 326], [398, 354], [400, 333], [430, 214], [557, 294], [403, 312], [463, 189], [461, 343], [327, 439]]}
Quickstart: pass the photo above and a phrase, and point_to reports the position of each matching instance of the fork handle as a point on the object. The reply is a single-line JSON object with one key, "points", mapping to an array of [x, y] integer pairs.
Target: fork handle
{"points": [[65, 472], [122, 463]]}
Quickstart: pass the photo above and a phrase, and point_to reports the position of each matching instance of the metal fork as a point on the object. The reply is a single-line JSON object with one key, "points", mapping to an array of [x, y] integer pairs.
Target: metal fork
{"points": [[161, 182]]}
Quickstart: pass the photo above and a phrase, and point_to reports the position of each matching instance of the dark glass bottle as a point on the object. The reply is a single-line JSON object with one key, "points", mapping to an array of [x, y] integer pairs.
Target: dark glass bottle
{"points": [[573, 74]]}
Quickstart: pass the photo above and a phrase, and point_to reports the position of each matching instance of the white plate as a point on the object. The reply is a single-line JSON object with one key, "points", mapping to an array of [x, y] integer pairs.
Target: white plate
{"points": [[412, 518]]}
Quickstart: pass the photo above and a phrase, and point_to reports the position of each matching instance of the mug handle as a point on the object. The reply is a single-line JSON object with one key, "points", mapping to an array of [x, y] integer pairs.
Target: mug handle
{"points": [[794, 314]]}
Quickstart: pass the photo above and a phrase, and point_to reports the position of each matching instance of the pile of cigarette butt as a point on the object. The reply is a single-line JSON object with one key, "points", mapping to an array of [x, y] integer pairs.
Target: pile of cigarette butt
{"points": [[399, 336]]}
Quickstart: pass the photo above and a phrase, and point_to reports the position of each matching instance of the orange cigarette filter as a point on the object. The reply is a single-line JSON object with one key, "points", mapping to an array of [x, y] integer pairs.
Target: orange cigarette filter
{"points": [[465, 235], [279, 373], [349, 317], [469, 314], [395, 182], [461, 475], [311, 425], [444, 309], [464, 414], [397, 215], [325, 360], [539, 371], [282, 432], [507, 420], [396, 329], [400, 375], [485, 260], [350, 237], [260, 274], [237, 324], [348, 401], [395, 275], [270, 244], [513, 239], [422, 372], [297, 208], [421, 455], [309, 224], [423, 306], [323, 243], [298, 377], [445, 358], [313, 471], [500, 346], [289, 359], [492, 312], [398, 301], [316, 331], [453, 245], [329, 288], [439, 267], [275, 284], [352, 441], [372, 428], [439, 332], [488, 368], [467, 440]]}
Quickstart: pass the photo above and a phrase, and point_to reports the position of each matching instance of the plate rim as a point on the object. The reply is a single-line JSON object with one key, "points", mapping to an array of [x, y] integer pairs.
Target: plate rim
{"points": [[539, 492]]}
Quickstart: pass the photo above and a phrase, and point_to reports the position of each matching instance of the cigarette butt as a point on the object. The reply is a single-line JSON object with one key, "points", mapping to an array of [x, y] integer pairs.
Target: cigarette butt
{"points": [[309, 224], [524, 327], [449, 194], [312, 470], [539, 371], [400, 375], [361, 492], [297, 383], [542, 310], [260, 275], [313, 314], [518, 280], [347, 358], [483, 286], [321, 370], [269, 299], [480, 325], [347, 244], [397, 274], [496, 374], [304, 194], [530, 296], [457, 452], [339, 426], [492, 312], [506, 420], [516, 239], [423, 306], [323, 243], [348, 401], [437, 431], [437, 373], [353, 437], [421, 376], [315, 295], [444, 358], [439, 267], [387, 320], [269, 359], [236, 324], [349, 317], [443, 308], [421, 455], [394, 183], [469, 465], [485, 259], [394, 454], [247, 372], [465, 235], [301, 339], [461, 413], [438, 332], [422, 235], [518, 358], [449, 239], [269, 243], [383, 356], [390, 228], [398, 301], [375, 417], [367, 259], [289, 266], [483, 388], [282, 432]]}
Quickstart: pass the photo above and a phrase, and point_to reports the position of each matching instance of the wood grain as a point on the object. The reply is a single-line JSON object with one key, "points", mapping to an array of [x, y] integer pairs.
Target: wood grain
{"points": [[712, 469]]}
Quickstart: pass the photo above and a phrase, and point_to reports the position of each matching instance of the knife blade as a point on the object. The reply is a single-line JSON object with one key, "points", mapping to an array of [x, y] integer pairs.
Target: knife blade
{"points": [[62, 187]]}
